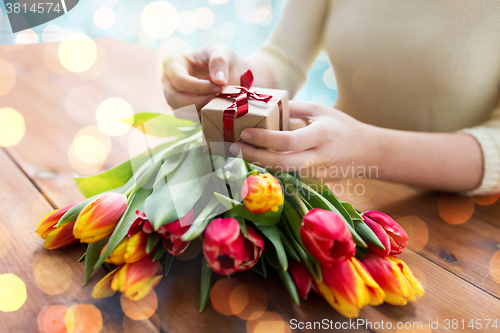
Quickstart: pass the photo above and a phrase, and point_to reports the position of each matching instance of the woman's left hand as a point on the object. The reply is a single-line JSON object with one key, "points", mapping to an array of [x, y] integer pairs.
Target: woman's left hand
{"points": [[329, 148]]}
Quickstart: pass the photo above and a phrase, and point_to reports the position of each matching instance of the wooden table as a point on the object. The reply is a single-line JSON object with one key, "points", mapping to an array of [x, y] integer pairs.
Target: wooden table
{"points": [[454, 246]]}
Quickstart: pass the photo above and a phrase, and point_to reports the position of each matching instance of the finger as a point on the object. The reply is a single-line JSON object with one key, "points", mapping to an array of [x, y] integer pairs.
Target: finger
{"points": [[219, 66], [178, 100], [305, 109], [287, 162], [301, 139], [176, 70]]}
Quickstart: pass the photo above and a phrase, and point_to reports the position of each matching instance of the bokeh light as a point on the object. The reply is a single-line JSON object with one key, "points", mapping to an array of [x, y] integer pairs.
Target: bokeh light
{"points": [[83, 318], [12, 292], [12, 127], [495, 267], [248, 302], [128, 18], [254, 11], [98, 67], [51, 58], [455, 209], [159, 19], [417, 231], [226, 30], [52, 33], [114, 116], [27, 37], [77, 52], [107, 3], [104, 17], [89, 150], [487, 199], [171, 46], [329, 78], [269, 322], [141, 309], [53, 275], [51, 319], [8, 75], [204, 17], [187, 22], [151, 325], [6, 240], [211, 36], [221, 293]]}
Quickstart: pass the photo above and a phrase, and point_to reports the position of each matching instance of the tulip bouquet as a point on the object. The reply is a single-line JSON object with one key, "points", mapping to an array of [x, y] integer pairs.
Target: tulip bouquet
{"points": [[143, 213]]}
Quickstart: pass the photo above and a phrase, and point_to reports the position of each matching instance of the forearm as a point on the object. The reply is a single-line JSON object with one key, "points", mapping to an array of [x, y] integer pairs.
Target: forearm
{"points": [[442, 161]]}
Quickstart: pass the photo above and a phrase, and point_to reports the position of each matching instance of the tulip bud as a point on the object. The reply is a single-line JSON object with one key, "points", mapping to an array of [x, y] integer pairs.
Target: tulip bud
{"points": [[56, 238], [326, 236], [388, 231], [394, 277], [224, 246], [130, 249], [134, 280], [301, 277], [262, 193], [347, 287], [99, 218], [172, 234], [140, 223], [254, 245]]}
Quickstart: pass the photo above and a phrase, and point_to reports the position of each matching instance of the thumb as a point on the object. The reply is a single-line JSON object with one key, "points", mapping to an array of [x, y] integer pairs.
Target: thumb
{"points": [[218, 66]]}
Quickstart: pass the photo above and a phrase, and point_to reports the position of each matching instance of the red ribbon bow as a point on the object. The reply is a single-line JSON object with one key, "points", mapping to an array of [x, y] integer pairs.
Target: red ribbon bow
{"points": [[239, 107]]}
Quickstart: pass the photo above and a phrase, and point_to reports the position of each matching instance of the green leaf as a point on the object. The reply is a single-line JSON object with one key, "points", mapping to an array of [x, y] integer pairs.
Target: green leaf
{"points": [[367, 234], [82, 258], [264, 266], [159, 252], [202, 220], [73, 212], [206, 284], [241, 221], [157, 124], [121, 230], [151, 242], [118, 176], [289, 249], [169, 259], [267, 219], [182, 190], [93, 252], [353, 213], [273, 260], [272, 233]]}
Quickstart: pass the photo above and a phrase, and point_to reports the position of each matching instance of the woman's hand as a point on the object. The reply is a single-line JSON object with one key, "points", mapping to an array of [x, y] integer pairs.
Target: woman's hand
{"points": [[332, 144], [335, 145], [185, 75]]}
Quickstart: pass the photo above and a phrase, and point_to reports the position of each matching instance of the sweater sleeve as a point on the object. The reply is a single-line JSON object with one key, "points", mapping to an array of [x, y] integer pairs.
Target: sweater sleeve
{"points": [[488, 136], [295, 43]]}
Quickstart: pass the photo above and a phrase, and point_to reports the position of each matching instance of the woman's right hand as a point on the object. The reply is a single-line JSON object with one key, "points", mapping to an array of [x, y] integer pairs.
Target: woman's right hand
{"points": [[185, 75]]}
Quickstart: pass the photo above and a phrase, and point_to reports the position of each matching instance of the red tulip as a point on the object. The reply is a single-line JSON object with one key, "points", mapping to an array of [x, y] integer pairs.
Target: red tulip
{"points": [[141, 223], [56, 238], [326, 236], [388, 231], [224, 246], [172, 234], [347, 287], [301, 277], [254, 245], [394, 277]]}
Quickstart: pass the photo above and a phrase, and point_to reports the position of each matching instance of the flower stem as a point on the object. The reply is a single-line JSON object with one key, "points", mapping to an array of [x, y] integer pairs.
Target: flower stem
{"points": [[299, 201]]}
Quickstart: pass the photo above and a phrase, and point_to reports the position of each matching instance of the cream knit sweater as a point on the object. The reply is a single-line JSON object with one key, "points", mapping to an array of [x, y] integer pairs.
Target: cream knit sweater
{"points": [[416, 65]]}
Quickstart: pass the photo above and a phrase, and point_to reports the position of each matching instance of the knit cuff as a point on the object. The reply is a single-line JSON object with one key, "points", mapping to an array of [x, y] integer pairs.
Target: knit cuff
{"points": [[489, 140]]}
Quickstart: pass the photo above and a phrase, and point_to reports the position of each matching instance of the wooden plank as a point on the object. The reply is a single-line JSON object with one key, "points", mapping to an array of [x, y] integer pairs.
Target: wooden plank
{"points": [[51, 277]]}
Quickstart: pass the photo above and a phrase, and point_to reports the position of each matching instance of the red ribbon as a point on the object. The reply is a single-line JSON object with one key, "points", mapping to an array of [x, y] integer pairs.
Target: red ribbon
{"points": [[239, 107]]}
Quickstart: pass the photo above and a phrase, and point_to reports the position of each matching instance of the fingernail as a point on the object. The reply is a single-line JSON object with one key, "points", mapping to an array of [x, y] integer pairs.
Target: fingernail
{"points": [[246, 136], [216, 90], [234, 149], [219, 75]]}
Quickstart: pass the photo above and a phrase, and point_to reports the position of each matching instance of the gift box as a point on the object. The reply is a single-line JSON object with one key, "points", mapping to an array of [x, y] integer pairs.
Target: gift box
{"points": [[241, 107]]}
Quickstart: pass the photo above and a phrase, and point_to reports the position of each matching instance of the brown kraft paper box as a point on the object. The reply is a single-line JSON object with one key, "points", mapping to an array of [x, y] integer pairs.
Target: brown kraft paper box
{"points": [[259, 115]]}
